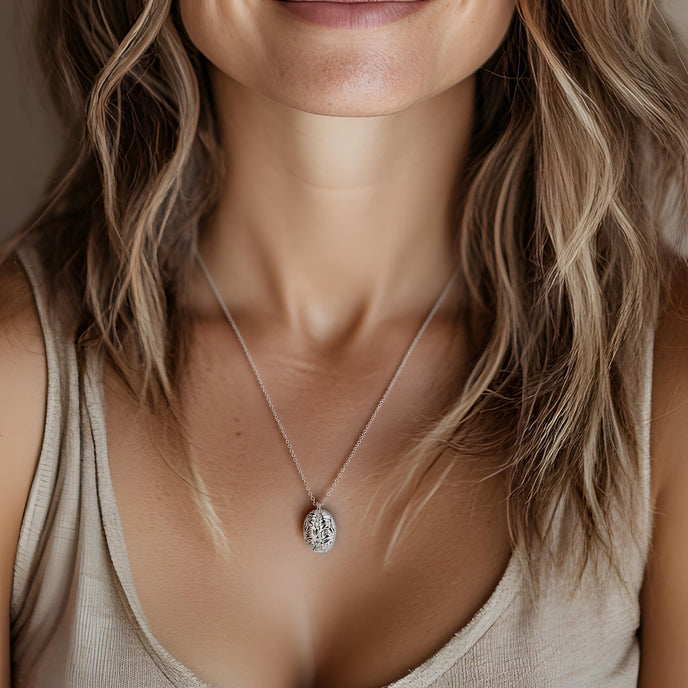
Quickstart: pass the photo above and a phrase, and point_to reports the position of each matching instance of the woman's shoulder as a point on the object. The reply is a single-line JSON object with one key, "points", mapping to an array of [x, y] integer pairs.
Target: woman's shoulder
{"points": [[664, 597], [669, 416], [23, 393], [23, 372]]}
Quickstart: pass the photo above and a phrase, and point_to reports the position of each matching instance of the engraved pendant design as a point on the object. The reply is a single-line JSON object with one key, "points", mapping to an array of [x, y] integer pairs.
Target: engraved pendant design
{"points": [[319, 530]]}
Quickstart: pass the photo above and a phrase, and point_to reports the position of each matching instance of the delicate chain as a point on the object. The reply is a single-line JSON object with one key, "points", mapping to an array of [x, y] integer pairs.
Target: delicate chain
{"points": [[426, 322]]}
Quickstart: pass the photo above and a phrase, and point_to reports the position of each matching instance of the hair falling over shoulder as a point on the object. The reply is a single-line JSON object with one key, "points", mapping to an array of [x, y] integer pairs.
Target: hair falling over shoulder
{"points": [[575, 199]]}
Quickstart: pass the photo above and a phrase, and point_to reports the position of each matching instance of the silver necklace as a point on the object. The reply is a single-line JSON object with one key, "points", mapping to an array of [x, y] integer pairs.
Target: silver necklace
{"points": [[319, 528]]}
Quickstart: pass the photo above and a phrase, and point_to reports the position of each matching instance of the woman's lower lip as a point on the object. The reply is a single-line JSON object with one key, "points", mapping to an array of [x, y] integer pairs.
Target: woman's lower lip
{"points": [[352, 15]]}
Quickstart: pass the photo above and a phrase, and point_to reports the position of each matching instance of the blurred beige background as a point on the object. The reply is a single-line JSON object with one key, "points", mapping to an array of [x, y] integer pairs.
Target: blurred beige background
{"points": [[29, 139]]}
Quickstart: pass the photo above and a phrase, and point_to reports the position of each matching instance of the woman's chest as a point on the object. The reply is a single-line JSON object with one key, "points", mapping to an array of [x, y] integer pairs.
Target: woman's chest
{"points": [[275, 613]]}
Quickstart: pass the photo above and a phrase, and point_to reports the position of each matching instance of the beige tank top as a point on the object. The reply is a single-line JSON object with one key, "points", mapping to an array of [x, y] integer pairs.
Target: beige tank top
{"points": [[76, 619]]}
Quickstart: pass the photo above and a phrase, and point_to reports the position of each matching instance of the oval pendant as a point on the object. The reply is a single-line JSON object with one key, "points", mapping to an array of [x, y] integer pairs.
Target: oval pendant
{"points": [[319, 530]]}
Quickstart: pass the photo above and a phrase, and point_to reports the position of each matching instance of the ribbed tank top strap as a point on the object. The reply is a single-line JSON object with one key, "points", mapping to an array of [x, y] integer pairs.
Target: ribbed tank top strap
{"points": [[51, 514]]}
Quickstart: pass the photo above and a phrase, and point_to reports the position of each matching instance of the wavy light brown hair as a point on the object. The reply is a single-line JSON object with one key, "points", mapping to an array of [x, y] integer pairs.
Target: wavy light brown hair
{"points": [[578, 171]]}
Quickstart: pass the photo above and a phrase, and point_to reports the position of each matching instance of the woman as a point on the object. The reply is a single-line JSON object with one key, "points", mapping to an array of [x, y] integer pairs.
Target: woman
{"points": [[369, 296]]}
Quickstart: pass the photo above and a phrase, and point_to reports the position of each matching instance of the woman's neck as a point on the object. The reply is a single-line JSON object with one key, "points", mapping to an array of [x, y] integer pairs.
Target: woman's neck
{"points": [[332, 224]]}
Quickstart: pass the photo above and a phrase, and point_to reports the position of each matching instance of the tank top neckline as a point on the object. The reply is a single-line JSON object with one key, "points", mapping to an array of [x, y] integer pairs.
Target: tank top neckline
{"points": [[419, 677]]}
